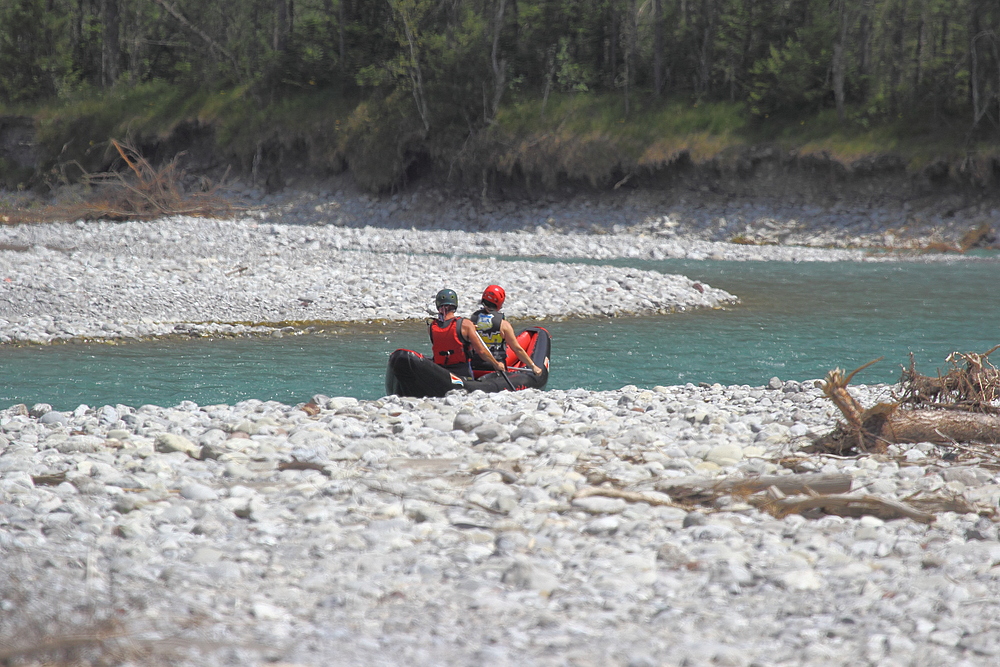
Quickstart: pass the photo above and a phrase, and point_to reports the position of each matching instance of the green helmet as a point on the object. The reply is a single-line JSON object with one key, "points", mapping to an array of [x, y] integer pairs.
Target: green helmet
{"points": [[446, 297]]}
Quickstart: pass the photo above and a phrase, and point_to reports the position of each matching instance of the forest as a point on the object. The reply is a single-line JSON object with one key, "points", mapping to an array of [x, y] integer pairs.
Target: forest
{"points": [[463, 79]]}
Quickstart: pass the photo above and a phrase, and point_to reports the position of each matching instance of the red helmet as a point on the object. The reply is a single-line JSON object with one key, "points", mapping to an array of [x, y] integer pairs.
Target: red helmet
{"points": [[494, 296]]}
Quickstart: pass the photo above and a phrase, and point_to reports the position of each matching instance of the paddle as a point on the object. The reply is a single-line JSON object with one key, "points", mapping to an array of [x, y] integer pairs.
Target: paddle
{"points": [[507, 378]]}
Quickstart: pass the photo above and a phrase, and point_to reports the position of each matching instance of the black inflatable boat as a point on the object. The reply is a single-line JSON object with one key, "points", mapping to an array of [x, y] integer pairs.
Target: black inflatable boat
{"points": [[412, 374]]}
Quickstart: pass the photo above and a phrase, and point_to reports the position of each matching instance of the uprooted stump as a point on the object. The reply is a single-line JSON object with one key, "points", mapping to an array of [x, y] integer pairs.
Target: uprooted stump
{"points": [[958, 407]]}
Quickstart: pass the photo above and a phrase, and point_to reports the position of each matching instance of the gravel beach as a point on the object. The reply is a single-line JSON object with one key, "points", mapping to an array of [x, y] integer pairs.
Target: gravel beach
{"points": [[475, 529], [528, 528]]}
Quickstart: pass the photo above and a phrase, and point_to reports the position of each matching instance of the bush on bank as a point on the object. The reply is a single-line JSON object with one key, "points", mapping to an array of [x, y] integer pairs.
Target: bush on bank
{"points": [[589, 140]]}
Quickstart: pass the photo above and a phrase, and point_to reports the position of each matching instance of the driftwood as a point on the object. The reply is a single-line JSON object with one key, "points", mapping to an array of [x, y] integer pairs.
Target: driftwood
{"points": [[781, 495], [974, 387], [630, 496], [920, 509], [695, 489], [686, 491], [295, 464], [957, 408], [841, 504]]}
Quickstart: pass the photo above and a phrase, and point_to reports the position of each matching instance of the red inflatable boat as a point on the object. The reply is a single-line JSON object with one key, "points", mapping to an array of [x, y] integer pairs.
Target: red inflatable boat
{"points": [[412, 374]]}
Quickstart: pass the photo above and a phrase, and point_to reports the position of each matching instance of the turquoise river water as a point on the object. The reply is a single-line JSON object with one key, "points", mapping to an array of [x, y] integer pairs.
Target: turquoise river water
{"points": [[795, 321]]}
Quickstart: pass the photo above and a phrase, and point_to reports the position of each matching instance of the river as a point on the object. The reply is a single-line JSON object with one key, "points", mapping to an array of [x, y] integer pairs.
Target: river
{"points": [[795, 321]]}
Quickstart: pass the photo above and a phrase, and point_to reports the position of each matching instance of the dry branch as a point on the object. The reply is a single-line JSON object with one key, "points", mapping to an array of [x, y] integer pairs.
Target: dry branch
{"points": [[843, 505], [826, 493], [974, 387], [630, 496]]}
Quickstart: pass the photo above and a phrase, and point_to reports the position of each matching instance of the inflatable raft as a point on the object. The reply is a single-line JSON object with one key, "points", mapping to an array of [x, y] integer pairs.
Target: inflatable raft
{"points": [[412, 374]]}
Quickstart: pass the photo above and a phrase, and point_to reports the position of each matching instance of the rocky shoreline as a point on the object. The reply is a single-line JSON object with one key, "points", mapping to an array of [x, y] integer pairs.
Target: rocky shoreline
{"points": [[528, 528], [536, 528]]}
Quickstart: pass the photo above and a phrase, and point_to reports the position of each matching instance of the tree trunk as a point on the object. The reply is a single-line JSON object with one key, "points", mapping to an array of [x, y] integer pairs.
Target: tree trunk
{"points": [[942, 427], [747, 47], [499, 64], [705, 55], [329, 11], [613, 58], [864, 50], [550, 75], [918, 76], [176, 13], [974, 79], [341, 22], [658, 47], [896, 60], [111, 44], [280, 40], [838, 63], [632, 43], [415, 70]]}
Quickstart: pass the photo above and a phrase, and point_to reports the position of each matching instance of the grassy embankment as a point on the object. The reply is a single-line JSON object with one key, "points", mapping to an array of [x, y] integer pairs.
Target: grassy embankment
{"points": [[574, 138]]}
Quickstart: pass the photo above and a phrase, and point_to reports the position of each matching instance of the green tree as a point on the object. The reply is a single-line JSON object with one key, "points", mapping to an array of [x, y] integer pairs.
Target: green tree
{"points": [[33, 52], [795, 75]]}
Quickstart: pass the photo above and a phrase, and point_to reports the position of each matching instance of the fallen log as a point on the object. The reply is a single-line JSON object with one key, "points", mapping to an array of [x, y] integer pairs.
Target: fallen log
{"points": [[820, 492], [873, 429]]}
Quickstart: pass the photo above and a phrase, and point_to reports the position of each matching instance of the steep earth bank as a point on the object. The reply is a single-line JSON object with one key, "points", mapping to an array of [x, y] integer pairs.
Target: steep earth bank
{"points": [[743, 183]]}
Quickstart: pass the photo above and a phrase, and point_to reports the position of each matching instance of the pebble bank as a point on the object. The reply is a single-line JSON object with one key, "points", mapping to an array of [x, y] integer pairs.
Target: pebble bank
{"points": [[196, 276], [458, 531]]}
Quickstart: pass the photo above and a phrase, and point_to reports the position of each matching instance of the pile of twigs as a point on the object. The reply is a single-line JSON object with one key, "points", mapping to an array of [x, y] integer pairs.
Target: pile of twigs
{"points": [[137, 191], [974, 387]]}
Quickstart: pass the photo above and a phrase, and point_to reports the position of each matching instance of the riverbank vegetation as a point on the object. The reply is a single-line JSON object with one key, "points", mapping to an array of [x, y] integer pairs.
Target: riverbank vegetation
{"points": [[535, 92]]}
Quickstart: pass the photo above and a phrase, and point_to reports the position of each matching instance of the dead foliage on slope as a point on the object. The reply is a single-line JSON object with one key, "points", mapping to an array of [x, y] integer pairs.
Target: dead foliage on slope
{"points": [[138, 190]]}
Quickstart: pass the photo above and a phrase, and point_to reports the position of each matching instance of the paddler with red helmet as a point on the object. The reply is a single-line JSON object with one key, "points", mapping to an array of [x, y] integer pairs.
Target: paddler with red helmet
{"points": [[496, 333], [454, 338]]}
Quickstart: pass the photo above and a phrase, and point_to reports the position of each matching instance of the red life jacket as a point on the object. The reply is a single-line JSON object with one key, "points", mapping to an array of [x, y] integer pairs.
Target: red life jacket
{"points": [[450, 349]]}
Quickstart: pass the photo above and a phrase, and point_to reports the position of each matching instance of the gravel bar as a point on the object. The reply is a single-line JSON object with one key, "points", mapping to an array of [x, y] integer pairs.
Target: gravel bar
{"points": [[99, 281], [464, 530]]}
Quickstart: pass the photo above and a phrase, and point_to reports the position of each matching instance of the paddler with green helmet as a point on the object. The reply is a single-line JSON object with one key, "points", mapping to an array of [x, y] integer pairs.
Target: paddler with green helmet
{"points": [[454, 338]]}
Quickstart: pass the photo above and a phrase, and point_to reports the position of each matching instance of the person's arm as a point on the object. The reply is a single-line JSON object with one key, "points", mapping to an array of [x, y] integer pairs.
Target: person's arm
{"points": [[508, 335], [470, 334]]}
